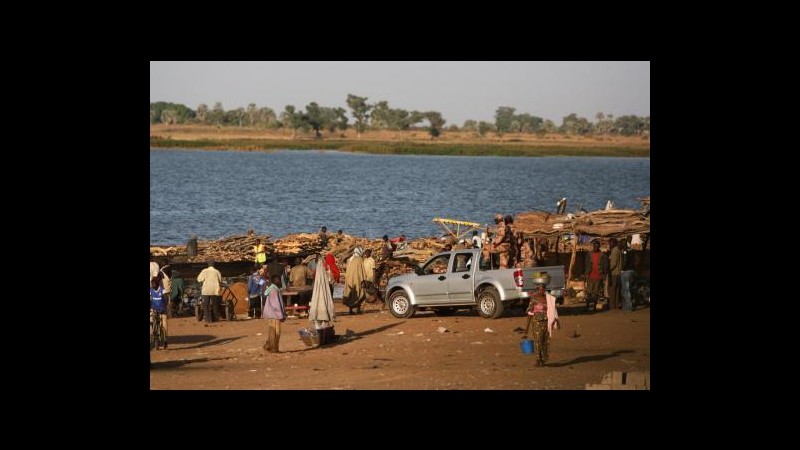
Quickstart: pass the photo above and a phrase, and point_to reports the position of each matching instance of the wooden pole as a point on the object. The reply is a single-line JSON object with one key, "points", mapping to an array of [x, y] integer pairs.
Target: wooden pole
{"points": [[558, 238], [572, 259]]}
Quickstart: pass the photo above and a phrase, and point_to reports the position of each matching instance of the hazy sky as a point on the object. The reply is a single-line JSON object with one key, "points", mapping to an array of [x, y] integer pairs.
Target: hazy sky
{"points": [[459, 90]]}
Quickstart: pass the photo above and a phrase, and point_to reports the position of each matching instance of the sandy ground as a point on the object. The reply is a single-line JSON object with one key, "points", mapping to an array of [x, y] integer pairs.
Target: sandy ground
{"points": [[379, 351]]}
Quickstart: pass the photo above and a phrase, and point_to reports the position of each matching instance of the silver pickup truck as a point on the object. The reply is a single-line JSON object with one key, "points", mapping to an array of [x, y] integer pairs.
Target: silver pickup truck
{"points": [[459, 279]]}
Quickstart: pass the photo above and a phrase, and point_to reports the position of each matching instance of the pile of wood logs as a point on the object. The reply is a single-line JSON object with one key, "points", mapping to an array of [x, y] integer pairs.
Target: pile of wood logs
{"points": [[604, 223], [297, 244], [232, 248], [534, 224], [238, 247]]}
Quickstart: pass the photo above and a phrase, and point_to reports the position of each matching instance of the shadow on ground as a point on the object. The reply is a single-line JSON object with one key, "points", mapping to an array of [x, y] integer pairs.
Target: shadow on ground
{"points": [[190, 338], [204, 340], [344, 338], [180, 363], [583, 359]]}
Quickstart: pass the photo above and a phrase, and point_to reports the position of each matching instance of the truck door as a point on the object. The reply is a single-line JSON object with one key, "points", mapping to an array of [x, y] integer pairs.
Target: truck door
{"points": [[459, 280], [430, 287]]}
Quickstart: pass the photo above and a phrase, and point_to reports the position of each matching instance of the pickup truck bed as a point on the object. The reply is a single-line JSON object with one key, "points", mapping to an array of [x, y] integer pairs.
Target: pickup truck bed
{"points": [[450, 280]]}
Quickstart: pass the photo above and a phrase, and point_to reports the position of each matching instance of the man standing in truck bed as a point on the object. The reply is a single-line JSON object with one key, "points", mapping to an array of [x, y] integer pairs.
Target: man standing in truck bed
{"points": [[502, 240]]}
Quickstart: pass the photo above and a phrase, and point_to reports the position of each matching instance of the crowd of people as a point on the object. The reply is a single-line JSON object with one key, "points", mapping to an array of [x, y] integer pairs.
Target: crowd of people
{"points": [[314, 278]]}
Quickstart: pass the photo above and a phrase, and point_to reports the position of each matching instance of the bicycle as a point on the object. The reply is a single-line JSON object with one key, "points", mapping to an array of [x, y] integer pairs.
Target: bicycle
{"points": [[229, 301], [158, 335], [640, 292]]}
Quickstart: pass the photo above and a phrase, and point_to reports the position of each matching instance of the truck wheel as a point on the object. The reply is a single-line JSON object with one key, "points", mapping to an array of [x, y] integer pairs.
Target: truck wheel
{"points": [[444, 311], [489, 304], [400, 305]]}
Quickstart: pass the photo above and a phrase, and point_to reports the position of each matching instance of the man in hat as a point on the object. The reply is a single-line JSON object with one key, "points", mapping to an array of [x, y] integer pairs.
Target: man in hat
{"points": [[212, 284]]}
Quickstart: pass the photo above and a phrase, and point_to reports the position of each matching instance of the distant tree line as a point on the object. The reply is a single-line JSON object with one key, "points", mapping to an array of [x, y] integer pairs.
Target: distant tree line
{"points": [[380, 116]]}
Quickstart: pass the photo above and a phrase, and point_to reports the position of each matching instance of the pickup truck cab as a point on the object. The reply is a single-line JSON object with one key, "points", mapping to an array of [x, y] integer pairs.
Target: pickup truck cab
{"points": [[460, 278]]}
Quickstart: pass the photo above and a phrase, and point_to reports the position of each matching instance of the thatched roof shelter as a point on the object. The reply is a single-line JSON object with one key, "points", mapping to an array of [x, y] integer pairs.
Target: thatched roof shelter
{"points": [[604, 223]]}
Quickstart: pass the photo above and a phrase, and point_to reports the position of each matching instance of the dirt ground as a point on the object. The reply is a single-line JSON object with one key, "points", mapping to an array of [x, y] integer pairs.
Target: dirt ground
{"points": [[378, 351]]}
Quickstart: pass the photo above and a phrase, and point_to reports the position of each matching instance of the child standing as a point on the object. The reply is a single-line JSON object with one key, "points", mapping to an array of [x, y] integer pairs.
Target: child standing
{"points": [[274, 313]]}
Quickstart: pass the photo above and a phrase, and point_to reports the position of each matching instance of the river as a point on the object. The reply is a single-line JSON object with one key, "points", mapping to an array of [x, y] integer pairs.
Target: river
{"points": [[218, 193]]}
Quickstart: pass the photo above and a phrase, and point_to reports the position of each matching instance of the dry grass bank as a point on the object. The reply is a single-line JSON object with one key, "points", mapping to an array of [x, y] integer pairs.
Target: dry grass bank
{"points": [[208, 132]]}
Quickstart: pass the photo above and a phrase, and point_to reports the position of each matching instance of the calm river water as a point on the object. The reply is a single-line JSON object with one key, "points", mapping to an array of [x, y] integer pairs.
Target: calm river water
{"points": [[218, 193]]}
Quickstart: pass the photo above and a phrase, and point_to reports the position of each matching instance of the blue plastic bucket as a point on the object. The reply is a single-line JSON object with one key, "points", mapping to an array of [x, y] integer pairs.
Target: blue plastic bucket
{"points": [[527, 346]]}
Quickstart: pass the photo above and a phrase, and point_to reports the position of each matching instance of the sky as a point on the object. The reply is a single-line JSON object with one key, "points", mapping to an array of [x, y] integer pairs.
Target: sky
{"points": [[460, 90]]}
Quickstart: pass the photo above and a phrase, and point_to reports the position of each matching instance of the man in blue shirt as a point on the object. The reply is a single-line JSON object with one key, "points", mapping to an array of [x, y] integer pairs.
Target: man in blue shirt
{"points": [[159, 304]]}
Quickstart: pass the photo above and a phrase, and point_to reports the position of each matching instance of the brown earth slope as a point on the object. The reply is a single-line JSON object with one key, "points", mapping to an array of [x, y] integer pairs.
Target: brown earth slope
{"points": [[382, 352]]}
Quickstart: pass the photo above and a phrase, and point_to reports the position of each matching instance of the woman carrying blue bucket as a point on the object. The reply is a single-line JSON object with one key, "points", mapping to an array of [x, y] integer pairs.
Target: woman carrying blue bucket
{"points": [[542, 312]]}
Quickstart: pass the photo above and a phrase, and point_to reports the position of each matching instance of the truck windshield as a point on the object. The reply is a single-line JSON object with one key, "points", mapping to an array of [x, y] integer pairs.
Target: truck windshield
{"points": [[436, 265]]}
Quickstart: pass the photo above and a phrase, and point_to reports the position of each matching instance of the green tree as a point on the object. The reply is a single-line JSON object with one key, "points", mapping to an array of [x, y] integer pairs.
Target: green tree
{"points": [[360, 111], [169, 116], [341, 119], [217, 114], [380, 115], [572, 124], [484, 127], [629, 125], [415, 117], [252, 114], [503, 118], [202, 112], [293, 119], [528, 123], [470, 125], [436, 123], [314, 117], [547, 127], [180, 113], [236, 117], [268, 118]]}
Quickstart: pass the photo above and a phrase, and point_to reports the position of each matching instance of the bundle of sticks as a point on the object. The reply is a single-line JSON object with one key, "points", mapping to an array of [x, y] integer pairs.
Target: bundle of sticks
{"points": [[239, 247]]}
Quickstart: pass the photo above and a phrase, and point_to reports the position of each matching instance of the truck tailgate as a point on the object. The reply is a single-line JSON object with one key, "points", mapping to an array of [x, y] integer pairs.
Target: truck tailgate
{"points": [[556, 273]]}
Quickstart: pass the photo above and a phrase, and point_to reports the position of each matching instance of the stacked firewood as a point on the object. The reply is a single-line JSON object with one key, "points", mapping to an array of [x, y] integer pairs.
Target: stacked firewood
{"points": [[420, 250], [298, 244], [604, 223], [232, 248]]}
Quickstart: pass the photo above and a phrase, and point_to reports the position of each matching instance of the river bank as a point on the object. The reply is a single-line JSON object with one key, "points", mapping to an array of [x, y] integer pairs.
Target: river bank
{"points": [[412, 142]]}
